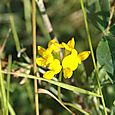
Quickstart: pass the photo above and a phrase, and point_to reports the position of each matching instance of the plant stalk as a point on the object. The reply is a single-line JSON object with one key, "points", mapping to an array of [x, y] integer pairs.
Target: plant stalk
{"points": [[92, 54], [59, 88], [34, 54], [8, 81]]}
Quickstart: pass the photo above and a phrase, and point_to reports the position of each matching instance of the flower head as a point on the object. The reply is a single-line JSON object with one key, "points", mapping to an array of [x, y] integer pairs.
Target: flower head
{"points": [[50, 58], [68, 47], [46, 58], [70, 62]]}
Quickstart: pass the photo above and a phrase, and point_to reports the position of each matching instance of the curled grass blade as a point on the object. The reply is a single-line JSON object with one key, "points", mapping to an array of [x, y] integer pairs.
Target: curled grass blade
{"points": [[54, 97]]}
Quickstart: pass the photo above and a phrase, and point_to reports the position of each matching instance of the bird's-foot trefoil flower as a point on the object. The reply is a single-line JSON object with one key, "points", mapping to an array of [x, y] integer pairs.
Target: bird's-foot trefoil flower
{"points": [[50, 58]]}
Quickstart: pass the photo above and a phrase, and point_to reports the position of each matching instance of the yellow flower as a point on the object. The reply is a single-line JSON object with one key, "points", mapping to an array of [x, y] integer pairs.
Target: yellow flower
{"points": [[46, 58], [54, 68], [50, 58], [68, 47], [54, 45], [70, 62]]}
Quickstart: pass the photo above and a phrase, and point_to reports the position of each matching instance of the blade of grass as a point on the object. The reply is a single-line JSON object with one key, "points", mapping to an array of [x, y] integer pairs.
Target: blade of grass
{"points": [[54, 97], [2, 90], [63, 85], [11, 110], [8, 81], [30, 93], [34, 54], [15, 35], [77, 108], [92, 54], [16, 39], [27, 15]]}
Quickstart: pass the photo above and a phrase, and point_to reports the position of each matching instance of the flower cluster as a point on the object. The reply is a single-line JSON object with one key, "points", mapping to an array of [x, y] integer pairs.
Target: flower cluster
{"points": [[50, 58]]}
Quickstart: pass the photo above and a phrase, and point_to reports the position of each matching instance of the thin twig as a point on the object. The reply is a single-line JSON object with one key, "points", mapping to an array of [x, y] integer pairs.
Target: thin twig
{"points": [[34, 54], [47, 22], [4, 43], [110, 19], [46, 19]]}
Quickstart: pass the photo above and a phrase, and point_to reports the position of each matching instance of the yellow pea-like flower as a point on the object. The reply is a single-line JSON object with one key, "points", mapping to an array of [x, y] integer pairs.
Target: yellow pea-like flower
{"points": [[71, 61], [50, 58]]}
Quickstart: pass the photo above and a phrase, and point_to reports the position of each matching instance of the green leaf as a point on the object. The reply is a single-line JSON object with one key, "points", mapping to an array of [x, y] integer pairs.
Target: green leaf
{"points": [[112, 30], [98, 13], [106, 54], [104, 5]]}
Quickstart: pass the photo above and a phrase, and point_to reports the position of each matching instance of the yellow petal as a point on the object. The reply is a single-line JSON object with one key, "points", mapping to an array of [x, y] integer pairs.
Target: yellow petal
{"points": [[52, 42], [53, 45], [71, 43], [41, 50], [55, 66], [84, 55], [47, 53], [48, 75], [41, 62], [64, 45], [71, 61], [49, 59], [67, 73]]}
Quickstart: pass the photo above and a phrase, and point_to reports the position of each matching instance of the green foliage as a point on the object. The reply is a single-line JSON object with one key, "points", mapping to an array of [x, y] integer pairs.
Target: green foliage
{"points": [[98, 13], [17, 92], [106, 54]]}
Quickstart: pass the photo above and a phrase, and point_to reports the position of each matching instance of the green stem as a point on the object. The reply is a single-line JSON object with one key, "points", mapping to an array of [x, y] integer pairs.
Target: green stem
{"points": [[13, 28], [92, 54], [59, 88], [34, 55], [8, 80], [2, 91], [16, 39], [77, 108]]}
